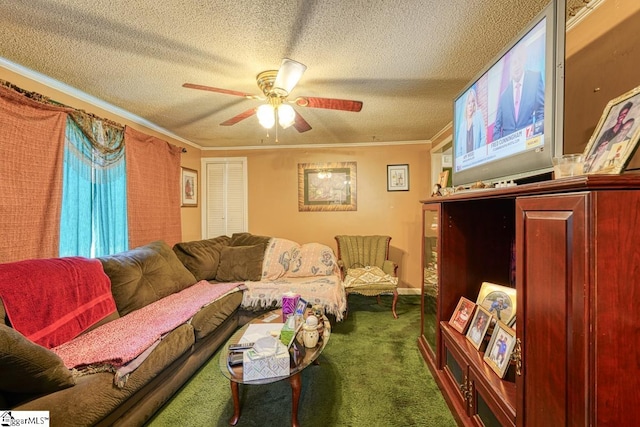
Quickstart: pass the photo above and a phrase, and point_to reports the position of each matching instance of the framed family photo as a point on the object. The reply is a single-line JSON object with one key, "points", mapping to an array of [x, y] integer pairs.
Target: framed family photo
{"points": [[397, 177], [615, 138], [443, 178], [479, 325], [498, 300], [189, 187], [499, 349], [462, 315], [301, 307]]}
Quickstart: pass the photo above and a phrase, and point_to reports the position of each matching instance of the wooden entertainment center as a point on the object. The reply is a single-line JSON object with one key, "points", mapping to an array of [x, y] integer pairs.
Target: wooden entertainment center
{"points": [[577, 261]]}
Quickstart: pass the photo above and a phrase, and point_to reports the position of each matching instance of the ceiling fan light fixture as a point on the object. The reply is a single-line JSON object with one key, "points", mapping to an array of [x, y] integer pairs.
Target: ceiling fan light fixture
{"points": [[266, 116], [289, 75], [286, 115]]}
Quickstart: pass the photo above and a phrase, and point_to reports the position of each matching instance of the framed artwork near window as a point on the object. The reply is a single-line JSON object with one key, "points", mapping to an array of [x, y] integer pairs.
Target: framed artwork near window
{"points": [[189, 187], [397, 177], [327, 187]]}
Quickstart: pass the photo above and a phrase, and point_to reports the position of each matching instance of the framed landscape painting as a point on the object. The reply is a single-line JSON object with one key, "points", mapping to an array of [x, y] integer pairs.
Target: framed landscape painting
{"points": [[327, 186]]}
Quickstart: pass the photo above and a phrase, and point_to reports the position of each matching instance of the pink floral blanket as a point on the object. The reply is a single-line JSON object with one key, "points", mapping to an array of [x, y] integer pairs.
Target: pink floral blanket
{"points": [[122, 340]]}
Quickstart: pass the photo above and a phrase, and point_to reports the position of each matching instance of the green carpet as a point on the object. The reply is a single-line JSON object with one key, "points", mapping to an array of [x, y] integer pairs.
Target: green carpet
{"points": [[370, 374]]}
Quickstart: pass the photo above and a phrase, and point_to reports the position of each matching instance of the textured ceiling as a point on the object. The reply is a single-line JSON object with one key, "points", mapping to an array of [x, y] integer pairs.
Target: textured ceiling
{"points": [[405, 60]]}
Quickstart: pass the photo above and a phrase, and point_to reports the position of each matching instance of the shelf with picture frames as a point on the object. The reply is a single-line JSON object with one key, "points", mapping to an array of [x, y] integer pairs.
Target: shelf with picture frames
{"points": [[571, 304]]}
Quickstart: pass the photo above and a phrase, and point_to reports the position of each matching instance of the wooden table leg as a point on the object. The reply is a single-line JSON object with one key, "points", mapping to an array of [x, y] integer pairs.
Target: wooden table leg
{"points": [[296, 385], [235, 393]]}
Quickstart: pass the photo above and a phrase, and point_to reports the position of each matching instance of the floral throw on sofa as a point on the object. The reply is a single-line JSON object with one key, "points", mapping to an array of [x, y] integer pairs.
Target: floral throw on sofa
{"points": [[310, 270]]}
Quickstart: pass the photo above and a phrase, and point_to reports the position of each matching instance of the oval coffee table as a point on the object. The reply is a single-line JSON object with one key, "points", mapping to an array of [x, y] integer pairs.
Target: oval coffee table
{"points": [[299, 358]]}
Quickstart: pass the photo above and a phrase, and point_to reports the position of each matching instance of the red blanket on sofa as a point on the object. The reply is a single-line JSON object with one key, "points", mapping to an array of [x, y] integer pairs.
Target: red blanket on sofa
{"points": [[51, 301]]}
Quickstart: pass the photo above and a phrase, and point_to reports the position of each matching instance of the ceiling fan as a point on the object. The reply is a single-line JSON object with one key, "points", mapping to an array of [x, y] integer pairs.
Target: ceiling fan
{"points": [[276, 85]]}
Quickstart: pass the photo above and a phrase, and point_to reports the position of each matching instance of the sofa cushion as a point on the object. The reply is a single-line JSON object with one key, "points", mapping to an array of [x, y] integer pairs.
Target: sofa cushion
{"points": [[248, 239], [207, 320], [29, 368], [240, 263], [146, 274], [201, 257], [313, 259], [277, 258]]}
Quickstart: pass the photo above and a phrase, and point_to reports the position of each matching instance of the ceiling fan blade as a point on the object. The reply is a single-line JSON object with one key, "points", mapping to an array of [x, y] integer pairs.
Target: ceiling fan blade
{"points": [[218, 90], [239, 117], [301, 124], [329, 103]]}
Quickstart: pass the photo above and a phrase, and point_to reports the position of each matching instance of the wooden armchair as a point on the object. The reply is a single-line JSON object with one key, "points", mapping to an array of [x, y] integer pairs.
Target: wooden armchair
{"points": [[365, 267]]}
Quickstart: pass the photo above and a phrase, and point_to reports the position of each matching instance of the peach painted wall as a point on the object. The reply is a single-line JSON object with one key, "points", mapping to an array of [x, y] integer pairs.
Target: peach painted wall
{"points": [[273, 198]]}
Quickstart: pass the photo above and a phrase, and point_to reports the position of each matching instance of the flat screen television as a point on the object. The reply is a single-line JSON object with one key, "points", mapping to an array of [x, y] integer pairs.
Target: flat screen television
{"points": [[508, 121]]}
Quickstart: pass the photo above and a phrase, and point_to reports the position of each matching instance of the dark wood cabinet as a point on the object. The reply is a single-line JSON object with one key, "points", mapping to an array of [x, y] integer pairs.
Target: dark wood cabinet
{"points": [[576, 246]]}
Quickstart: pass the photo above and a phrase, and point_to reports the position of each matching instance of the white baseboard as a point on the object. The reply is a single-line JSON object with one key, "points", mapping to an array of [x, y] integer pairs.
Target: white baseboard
{"points": [[409, 291]]}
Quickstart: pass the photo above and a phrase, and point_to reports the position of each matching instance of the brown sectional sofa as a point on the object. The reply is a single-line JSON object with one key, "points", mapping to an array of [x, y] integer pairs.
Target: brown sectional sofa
{"points": [[138, 278], [33, 377]]}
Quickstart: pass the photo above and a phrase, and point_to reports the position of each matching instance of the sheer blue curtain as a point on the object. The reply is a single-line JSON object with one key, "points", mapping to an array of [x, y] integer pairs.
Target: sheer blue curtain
{"points": [[93, 219]]}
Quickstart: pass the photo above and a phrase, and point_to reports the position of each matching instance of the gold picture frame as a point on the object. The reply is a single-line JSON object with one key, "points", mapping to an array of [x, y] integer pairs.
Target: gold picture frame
{"points": [[498, 300], [443, 178], [189, 188], [616, 136], [499, 350], [327, 187]]}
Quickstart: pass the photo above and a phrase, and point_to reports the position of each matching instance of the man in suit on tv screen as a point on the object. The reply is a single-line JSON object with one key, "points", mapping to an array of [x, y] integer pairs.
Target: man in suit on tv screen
{"points": [[522, 102]]}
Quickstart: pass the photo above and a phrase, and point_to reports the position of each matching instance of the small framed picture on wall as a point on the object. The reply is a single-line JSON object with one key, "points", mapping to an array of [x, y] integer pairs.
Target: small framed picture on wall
{"points": [[189, 187], [397, 177]]}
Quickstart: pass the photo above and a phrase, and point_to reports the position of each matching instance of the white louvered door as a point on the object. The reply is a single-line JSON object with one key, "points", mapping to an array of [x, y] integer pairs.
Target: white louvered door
{"points": [[224, 209]]}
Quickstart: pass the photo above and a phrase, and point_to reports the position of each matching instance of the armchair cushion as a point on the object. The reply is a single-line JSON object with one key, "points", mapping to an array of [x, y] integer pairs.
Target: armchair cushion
{"points": [[363, 251], [369, 276]]}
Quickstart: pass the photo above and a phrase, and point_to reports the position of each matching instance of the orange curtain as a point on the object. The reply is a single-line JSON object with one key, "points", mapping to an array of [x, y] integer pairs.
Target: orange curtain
{"points": [[153, 189], [31, 159]]}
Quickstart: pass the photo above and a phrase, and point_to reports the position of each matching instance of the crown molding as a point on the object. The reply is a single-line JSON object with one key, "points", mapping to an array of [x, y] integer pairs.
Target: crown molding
{"points": [[308, 146], [85, 97]]}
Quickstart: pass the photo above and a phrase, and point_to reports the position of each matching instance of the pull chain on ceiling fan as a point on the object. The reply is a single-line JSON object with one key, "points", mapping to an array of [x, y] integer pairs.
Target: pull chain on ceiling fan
{"points": [[276, 85]]}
